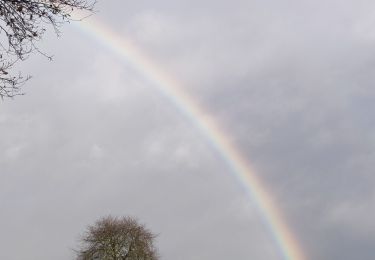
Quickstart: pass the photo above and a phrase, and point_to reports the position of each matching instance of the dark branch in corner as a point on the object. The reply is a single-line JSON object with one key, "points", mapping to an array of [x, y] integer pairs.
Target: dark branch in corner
{"points": [[22, 25]]}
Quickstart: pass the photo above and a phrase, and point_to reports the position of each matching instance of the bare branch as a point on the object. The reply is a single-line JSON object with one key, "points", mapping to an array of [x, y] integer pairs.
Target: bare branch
{"points": [[22, 25]]}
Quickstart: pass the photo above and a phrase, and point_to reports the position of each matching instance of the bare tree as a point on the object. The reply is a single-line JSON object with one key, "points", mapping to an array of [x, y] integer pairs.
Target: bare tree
{"points": [[22, 24], [112, 238]]}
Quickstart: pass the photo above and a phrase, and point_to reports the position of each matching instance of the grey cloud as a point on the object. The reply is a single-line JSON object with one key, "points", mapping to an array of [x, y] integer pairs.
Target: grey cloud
{"points": [[292, 84]]}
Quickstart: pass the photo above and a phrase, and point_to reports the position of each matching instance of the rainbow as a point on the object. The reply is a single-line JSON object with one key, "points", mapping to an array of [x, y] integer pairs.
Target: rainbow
{"points": [[123, 48]]}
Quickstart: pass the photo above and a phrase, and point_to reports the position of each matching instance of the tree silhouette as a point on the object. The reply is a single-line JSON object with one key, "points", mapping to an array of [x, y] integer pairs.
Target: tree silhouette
{"points": [[113, 238], [22, 25]]}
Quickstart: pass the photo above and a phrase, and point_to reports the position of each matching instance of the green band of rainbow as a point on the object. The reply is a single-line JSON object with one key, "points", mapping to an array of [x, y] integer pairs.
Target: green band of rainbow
{"points": [[121, 47]]}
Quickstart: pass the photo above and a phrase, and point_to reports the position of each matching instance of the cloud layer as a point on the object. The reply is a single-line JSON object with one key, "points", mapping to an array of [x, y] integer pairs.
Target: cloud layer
{"points": [[292, 84]]}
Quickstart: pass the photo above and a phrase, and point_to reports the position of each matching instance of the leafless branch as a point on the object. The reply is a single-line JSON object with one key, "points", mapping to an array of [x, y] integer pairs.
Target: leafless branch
{"points": [[22, 25]]}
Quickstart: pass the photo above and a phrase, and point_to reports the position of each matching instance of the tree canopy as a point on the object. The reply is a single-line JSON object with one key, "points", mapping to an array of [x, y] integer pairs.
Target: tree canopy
{"points": [[22, 24], [112, 238]]}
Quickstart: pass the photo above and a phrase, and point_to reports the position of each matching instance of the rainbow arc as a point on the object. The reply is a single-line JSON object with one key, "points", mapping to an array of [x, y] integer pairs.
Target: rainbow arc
{"points": [[285, 240]]}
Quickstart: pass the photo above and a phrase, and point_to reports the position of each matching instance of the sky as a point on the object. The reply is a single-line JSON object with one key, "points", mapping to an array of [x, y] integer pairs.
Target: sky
{"points": [[291, 84]]}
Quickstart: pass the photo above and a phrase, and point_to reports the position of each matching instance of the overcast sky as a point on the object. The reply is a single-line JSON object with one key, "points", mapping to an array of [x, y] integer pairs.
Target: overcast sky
{"points": [[292, 83]]}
